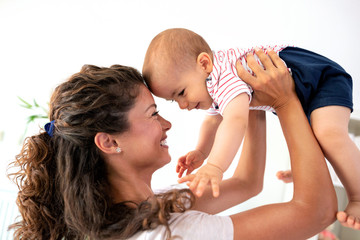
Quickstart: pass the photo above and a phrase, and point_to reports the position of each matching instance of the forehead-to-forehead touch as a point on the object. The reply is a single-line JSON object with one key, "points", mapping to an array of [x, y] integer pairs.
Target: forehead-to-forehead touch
{"points": [[144, 93], [161, 88], [157, 71], [165, 87]]}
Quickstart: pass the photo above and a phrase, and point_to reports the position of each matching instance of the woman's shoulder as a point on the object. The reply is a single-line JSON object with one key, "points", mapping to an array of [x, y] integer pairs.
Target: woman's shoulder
{"points": [[192, 225]]}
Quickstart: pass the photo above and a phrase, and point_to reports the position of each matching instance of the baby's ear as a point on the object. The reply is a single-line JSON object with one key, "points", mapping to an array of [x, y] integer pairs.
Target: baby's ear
{"points": [[204, 60]]}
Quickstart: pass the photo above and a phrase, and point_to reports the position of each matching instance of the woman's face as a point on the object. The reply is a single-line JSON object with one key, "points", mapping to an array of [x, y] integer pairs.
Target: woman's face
{"points": [[144, 144]]}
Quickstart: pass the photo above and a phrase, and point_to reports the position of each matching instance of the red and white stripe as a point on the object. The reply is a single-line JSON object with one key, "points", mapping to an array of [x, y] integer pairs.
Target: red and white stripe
{"points": [[225, 84]]}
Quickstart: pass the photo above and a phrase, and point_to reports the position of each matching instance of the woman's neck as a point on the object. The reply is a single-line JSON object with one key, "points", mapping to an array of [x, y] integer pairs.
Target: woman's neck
{"points": [[131, 187]]}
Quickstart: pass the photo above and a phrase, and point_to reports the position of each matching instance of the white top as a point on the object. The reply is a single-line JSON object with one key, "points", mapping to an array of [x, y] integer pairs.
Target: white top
{"points": [[192, 225], [224, 84]]}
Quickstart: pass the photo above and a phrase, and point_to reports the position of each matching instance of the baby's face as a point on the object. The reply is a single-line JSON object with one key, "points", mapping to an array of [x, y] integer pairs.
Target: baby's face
{"points": [[188, 88]]}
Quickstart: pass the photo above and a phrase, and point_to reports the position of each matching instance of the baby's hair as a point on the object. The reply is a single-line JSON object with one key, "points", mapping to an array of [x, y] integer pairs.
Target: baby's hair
{"points": [[177, 47]]}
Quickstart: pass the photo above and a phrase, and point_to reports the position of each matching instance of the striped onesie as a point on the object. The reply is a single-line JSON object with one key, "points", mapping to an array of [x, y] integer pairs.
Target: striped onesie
{"points": [[223, 84], [319, 81]]}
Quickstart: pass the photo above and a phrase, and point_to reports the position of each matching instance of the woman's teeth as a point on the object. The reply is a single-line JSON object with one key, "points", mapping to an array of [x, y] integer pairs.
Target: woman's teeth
{"points": [[163, 143]]}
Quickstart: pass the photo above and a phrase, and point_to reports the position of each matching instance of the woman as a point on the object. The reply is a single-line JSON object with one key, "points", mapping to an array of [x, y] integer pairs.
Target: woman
{"points": [[89, 175]]}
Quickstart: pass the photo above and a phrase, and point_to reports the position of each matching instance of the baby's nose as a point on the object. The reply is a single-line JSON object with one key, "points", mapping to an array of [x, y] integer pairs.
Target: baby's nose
{"points": [[182, 104]]}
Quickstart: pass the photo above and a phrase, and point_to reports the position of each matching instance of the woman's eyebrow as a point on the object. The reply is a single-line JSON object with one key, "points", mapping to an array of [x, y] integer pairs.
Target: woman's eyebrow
{"points": [[151, 106]]}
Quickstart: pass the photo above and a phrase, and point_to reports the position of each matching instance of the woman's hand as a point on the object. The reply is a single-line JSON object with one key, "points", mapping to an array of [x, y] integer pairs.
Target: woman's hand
{"points": [[273, 86]]}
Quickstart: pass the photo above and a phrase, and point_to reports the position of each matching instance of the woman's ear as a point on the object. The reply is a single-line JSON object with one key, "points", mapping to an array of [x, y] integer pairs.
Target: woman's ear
{"points": [[106, 142], [204, 60]]}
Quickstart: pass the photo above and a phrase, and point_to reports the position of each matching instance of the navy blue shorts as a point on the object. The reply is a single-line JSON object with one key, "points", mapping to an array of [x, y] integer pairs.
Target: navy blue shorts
{"points": [[319, 81]]}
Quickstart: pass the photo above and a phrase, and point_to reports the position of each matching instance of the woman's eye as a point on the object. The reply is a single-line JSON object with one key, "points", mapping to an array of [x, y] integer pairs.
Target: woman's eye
{"points": [[155, 113]]}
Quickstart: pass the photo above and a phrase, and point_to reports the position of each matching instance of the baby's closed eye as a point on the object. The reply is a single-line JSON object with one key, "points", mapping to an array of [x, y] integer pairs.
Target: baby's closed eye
{"points": [[182, 92]]}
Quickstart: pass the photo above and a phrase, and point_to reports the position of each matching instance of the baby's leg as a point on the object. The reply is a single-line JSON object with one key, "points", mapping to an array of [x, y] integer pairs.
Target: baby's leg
{"points": [[330, 126]]}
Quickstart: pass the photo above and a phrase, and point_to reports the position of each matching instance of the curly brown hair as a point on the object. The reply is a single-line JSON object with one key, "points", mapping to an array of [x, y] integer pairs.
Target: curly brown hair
{"points": [[63, 187]]}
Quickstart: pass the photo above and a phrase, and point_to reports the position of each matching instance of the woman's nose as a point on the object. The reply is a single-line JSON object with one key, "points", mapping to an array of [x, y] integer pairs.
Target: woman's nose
{"points": [[166, 125]]}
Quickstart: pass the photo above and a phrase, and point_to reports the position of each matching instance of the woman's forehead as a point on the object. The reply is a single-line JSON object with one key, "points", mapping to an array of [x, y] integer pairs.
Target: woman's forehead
{"points": [[145, 100]]}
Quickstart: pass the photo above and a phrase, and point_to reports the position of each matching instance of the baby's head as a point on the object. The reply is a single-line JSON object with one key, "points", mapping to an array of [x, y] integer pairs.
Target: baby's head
{"points": [[176, 66]]}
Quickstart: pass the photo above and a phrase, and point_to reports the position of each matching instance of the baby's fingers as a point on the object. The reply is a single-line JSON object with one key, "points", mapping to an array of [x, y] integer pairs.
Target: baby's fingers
{"points": [[215, 187], [187, 178], [200, 186], [189, 170], [180, 164], [194, 186], [181, 172], [189, 159], [178, 168]]}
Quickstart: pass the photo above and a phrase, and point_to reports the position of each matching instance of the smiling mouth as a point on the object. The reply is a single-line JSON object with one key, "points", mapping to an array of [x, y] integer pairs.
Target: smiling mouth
{"points": [[163, 143], [196, 107]]}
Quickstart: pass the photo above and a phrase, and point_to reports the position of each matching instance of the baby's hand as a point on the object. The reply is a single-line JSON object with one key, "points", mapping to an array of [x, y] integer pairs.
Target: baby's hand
{"points": [[207, 173], [191, 161]]}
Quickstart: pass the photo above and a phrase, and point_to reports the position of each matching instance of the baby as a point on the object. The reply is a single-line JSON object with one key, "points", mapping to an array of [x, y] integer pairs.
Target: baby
{"points": [[180, 66]]}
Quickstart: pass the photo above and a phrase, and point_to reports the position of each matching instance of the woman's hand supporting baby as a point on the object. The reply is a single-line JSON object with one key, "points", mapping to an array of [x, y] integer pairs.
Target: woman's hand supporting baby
{"points": [[266, 84]]}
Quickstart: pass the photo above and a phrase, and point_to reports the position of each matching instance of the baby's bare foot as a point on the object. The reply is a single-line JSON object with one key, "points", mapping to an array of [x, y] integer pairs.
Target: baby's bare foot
{"points": [[285, 176], [351, 216]]}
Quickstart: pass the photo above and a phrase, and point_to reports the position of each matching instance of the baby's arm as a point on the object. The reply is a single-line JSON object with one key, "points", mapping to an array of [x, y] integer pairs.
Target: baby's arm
{"points": [[227, 142], [230, 132], [194, 159], [247, 179]]}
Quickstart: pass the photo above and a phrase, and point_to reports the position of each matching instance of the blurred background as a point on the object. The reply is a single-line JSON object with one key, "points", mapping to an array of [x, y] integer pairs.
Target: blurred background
{"points": [[42, 43]]}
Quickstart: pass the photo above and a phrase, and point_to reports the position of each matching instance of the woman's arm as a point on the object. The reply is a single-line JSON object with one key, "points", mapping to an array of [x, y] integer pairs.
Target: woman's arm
{"points": [[313, 206]]}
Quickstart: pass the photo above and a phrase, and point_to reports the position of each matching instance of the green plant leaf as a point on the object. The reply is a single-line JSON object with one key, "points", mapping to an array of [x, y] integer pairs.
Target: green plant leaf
{"points": [[25, 103], [37, 112], [36, 104]]}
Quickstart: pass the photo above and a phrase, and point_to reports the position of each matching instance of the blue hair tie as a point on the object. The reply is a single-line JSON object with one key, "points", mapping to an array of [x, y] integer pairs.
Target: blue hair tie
{"points": [[49, 128]]}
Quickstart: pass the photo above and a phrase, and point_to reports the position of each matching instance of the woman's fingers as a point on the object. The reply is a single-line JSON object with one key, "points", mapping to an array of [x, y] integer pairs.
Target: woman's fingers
{"points": [[253, 63], [272, 84], [276, 60], [265, 60], [244, 74]]}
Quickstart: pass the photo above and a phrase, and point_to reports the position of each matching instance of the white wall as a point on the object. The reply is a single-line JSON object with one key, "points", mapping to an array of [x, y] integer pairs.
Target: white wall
{"points": [[43, 42]]}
